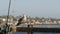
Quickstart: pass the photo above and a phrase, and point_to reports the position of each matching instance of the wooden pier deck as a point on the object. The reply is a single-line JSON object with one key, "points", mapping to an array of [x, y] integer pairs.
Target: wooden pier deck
{"points": [[23, 29], [37, 28]]}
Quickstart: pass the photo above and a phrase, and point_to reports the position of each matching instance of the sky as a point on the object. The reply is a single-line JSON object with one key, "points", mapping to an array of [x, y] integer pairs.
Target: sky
{"points": [[39, 8]]}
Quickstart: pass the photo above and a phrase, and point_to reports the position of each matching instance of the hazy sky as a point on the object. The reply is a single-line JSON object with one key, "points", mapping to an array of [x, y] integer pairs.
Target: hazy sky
{"points": [[40, 8]]}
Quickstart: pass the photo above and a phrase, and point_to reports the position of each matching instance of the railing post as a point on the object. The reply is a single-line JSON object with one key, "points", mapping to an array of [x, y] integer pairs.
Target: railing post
{"points": [[30, 27], [13, 29]]}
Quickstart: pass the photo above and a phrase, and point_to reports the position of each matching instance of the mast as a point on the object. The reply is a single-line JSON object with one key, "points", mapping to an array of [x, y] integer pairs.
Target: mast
{"points": [[8, 10], [7, 26]]}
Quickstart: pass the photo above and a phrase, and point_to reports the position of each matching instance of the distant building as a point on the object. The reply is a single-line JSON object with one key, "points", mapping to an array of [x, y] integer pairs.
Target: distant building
{"points": [[58, 21], [2, 20], [37, 22]]}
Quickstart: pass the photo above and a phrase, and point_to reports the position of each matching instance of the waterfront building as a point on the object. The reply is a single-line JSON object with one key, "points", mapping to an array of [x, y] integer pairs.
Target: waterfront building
{"points": [[37, 22], [55, 22], [58, 21]]}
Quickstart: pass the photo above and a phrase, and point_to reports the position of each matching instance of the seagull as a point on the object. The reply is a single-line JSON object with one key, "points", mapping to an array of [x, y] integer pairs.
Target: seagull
{"points": [[22, 20]]}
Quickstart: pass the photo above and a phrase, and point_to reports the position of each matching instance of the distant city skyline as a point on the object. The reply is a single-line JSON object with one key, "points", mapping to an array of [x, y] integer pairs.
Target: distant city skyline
{"points": [[40, 8]]}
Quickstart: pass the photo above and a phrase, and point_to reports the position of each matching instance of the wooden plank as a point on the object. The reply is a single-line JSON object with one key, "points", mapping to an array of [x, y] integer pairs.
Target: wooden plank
{"points": [[25, 29]]}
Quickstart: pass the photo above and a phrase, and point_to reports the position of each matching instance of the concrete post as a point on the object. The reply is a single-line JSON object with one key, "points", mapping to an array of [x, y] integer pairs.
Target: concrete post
{"points": [[13, 29]]}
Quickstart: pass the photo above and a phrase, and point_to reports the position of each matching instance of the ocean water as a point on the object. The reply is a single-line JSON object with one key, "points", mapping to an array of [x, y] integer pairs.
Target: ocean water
{"points": [[35, 33]]}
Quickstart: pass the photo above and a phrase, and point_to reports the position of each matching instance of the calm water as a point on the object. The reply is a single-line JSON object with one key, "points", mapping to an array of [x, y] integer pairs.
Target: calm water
{"points": [[34, 33]]}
